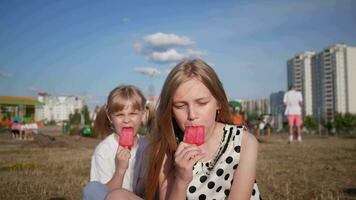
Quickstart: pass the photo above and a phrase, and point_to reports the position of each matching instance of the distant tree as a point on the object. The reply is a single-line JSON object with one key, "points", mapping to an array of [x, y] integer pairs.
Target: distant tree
{"points": [[345, 123], [310, 123], [85, 113], [253, 117], [348, 122], [74, 119], [51, 122], [354, 123], [338, 122]]}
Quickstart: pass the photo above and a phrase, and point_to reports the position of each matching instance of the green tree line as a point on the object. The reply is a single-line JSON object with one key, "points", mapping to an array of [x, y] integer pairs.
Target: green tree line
{"points": [[342, 124]]}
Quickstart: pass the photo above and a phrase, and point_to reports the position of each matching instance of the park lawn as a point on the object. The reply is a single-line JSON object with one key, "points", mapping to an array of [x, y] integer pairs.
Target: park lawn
{"points": [[319, 168]]}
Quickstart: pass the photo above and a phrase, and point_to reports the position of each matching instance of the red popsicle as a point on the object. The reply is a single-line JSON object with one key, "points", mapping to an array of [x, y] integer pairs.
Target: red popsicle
{"points": [[200, 135], [127, 137], [189, 135], [194, 135]]}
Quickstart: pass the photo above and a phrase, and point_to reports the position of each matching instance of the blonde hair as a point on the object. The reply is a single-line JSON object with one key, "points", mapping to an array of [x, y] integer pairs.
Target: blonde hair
{"points": [[163, 141], [116, 101]]}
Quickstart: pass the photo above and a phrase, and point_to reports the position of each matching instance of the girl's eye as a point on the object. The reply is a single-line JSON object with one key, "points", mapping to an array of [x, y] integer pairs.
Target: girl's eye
{"points": [[203, 103], [179, 106]]}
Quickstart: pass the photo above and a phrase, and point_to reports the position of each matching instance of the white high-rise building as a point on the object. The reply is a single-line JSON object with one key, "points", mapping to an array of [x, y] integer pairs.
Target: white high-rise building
{"points": [[333, 74], [276, 103], [58, 108], [258, 107], [277, 109], [299, 70]]}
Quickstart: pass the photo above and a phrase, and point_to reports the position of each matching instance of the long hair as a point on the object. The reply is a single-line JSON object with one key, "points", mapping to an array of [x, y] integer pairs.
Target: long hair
{"points": [[116, 101], [163, 139]]}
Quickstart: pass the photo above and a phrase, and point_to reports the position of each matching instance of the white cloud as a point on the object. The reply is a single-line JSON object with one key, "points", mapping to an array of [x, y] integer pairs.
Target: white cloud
{"points": [[5, 74], [167, 39], [166, 48], [173, 55], [147, 71], [170, 55]]}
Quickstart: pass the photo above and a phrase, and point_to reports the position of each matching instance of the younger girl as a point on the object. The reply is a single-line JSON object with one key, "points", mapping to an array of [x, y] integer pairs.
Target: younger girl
{"points": [[114, 166]]}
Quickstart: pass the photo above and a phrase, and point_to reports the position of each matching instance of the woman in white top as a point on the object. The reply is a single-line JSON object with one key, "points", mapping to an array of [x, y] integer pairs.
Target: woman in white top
{"points": [[114, 166]]}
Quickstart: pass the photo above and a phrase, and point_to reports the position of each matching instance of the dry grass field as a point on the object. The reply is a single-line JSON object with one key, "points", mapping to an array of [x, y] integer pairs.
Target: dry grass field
{"points": [[319, 168]]}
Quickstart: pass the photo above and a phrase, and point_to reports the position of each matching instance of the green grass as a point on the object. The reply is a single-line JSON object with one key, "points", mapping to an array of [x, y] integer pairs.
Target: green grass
{"points": [[319, 168]]}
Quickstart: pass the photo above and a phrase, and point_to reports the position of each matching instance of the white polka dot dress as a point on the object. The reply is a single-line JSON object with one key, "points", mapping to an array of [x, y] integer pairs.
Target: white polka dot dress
{"points": [[213, 179]]}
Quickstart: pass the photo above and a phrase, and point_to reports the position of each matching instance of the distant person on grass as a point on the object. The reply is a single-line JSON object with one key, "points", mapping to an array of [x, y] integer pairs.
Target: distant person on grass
{"points": [[293, 101], [237, 117], [114, 166], [15, 129]]}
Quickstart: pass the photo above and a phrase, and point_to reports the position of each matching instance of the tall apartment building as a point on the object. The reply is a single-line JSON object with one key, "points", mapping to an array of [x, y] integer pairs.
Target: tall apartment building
{"points": [[57, 108], [299, 71], [259, 107], [333, 74], [276, 103], [277, 109]]}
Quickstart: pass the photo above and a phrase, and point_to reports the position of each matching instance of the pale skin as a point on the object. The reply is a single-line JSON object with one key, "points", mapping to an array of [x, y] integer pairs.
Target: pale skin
{"points": [[193, 104], [128, 117]]}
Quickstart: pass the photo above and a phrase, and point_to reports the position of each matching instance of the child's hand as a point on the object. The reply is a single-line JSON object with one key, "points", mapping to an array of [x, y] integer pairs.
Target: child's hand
{"points": [[184, 159], [122, 158]]}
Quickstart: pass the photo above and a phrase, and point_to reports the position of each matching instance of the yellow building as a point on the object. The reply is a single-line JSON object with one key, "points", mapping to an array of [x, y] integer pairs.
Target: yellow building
{"points": [[20, 108]]}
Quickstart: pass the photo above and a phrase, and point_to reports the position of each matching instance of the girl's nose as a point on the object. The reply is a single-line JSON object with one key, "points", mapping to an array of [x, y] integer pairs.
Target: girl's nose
{"points": [[127, 118], [191, 113]]}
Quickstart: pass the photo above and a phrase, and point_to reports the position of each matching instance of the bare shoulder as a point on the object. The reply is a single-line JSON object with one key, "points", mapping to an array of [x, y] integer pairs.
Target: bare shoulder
{"points": [[249, 141]]}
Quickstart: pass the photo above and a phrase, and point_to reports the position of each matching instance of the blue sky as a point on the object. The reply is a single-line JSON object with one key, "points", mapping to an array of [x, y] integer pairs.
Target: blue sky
{"points": [[86, 48]]}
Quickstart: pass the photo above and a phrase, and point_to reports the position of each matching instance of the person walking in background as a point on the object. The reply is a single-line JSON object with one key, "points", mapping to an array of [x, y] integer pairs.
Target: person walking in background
{"points": [[113, 165], [293, 101]]}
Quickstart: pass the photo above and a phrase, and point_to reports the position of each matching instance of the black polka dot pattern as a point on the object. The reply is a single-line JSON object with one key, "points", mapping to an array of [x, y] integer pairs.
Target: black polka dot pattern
{"points": [[202, 197], [237, 149], [219, 172], [213, 179], [211, 185], [238, 132], [192, 189], [235, 166], [229, 160], [203, 179]]}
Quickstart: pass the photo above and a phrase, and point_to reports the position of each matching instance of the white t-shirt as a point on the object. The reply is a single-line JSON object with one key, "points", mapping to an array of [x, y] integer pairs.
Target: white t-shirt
{"points": [[292, 99], [103, 162]]}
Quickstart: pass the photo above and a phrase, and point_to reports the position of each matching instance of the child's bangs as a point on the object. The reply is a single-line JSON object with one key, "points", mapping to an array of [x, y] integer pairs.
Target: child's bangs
{"points": [[120, 102]]}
